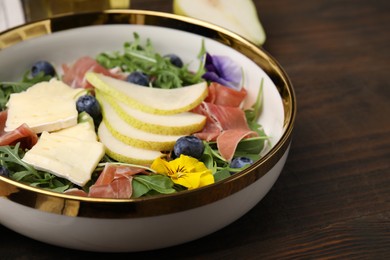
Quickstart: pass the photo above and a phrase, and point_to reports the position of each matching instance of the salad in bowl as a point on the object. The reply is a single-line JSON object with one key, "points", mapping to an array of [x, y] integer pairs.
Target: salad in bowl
{"points": [[129, 123], [123, 124]]}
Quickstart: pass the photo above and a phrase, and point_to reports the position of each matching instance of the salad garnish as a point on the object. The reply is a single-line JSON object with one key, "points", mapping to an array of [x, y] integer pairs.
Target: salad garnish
{"points": [[186, 171], [224, 70]]}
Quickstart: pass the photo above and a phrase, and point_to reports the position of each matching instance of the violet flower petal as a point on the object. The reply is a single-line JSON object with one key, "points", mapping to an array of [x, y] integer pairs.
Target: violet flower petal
{"points": [[211, 76], [224, 70]]}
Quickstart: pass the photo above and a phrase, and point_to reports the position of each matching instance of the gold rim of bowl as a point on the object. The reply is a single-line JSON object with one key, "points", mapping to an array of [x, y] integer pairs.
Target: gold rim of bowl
{"points": [[71, 205]]}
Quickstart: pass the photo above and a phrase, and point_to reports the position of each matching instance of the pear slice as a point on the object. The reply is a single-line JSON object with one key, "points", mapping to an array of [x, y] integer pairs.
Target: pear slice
{"points": [[239, 16], [178, 124], [133, 136], [150, 100], [123, 152]]}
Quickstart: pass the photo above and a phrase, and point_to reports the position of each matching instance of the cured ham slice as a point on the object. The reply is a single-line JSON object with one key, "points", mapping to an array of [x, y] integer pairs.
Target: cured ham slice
{"points": [[226, 122], [219, 119], [3, 120], [23, 134], [76, 192], [228, 140], [226, 125], [224, 96], [114, 182], [119, 188], [74, 75]]}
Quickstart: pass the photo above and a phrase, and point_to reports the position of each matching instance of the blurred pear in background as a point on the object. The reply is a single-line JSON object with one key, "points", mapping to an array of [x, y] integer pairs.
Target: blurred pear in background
{"points": [[239, 16]]}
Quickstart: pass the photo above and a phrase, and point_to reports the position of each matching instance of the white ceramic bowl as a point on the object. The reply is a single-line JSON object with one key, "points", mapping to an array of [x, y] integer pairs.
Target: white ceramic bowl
{"points": [[123, 225]]}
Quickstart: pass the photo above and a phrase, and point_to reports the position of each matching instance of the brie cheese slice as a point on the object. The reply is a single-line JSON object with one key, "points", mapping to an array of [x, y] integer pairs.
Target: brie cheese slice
{"points": [[66, 157], [46, 106]]}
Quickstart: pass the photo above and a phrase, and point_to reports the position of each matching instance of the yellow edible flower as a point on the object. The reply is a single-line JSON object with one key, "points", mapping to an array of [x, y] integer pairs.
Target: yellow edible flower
{"points": [[185, 170]]}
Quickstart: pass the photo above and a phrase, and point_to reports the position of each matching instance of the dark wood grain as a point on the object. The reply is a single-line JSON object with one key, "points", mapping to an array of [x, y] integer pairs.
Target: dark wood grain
{"points": [[332, 200]]}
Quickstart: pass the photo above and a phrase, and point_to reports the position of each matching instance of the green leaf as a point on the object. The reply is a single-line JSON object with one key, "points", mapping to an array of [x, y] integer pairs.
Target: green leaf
{"points": [[17, 176], [9, 154], [221, 174], [40, 77], [258, 105], [252, 145], [254, 157], [160, 183], [208, 158], [139, 189], [59, 189]]}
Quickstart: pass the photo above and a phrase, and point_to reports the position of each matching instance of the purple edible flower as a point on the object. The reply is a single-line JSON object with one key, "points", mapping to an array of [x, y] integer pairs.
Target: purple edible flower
{"points": [[223, 70]]}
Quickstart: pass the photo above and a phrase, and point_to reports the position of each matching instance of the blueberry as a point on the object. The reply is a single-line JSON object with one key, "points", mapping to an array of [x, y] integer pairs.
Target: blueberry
{"points": [[189, 145], [90, 105], [240, 162], [175, 60], [4, 171], [46, 67], [138, 78]]}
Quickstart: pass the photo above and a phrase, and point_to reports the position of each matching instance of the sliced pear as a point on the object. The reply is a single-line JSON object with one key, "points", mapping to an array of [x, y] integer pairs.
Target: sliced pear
{"points": [[239, 16], [150, 100], [177, 124], [132, 136], [123, 152]]}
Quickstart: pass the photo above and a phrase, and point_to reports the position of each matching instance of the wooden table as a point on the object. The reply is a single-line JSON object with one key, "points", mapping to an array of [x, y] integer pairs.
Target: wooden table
{"points": [[332, 198]]}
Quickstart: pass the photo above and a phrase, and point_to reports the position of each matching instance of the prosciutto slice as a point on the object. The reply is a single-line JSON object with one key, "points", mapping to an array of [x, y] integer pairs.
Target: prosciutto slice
{"points": [[226, 122], [76, 192], [226, 125], [22, 134], [228, 140], [74, 75], [114, 182], [224, 96]]}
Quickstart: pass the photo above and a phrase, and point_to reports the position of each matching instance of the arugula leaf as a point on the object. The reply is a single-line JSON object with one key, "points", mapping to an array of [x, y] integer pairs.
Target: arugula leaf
{"points": [[9, 154], [38, 78], [254, 112], [208, 158], [143, 58]]}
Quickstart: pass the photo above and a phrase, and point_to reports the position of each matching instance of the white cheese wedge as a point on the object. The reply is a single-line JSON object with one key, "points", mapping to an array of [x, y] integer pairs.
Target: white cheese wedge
{"points": [[46, 106], [84, 131], [71, 153]]}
